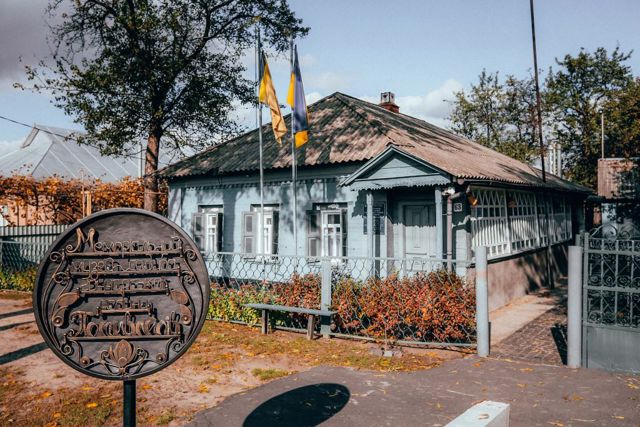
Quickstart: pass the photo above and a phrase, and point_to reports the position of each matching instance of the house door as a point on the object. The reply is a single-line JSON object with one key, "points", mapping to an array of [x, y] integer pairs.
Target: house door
{"points": [[419, 231]]}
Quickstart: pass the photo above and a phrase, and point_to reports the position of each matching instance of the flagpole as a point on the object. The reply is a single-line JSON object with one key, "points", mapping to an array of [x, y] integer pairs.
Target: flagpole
{"points": [[294, 174], [259, 114]]}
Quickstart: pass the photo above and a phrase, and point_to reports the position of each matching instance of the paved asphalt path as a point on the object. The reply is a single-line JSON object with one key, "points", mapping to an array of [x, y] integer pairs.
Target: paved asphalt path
{"points": [[540, 395]]}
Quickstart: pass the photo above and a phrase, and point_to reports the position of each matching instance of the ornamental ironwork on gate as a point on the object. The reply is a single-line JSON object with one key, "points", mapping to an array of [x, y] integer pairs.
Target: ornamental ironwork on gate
{"points": [[611, 298]]}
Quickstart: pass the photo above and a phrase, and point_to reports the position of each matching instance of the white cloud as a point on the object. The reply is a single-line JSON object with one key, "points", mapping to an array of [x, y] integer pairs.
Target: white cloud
{"points": [[313, 97], [9, 146], [328, 81], [433, 107]]}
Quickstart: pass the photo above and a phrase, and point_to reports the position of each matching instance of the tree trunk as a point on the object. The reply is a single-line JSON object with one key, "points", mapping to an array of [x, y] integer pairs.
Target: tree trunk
{"points": [[150, 180]]}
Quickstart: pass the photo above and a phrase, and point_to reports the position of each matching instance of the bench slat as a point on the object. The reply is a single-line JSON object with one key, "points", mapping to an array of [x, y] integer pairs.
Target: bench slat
{"points": [[290, 309]]}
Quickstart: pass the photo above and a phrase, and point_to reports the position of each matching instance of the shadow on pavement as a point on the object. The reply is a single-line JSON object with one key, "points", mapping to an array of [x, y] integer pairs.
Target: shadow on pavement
{"points": [[16, 313], [14, 325], [303, 406], [23, 352]]}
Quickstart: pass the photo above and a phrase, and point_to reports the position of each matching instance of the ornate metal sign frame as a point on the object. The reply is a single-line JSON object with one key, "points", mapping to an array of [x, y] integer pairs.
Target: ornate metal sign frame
{"points": [[121, 294]]}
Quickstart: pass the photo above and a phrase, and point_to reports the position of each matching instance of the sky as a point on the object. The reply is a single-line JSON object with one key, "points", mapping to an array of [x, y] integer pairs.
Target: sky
{"points": [[421, 50]]}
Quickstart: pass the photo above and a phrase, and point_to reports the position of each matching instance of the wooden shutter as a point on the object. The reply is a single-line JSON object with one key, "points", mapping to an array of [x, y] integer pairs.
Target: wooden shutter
{"points": [[197, 230], [249, 232], [343, 229], [274, 234], [219, 232], [313, 233]]}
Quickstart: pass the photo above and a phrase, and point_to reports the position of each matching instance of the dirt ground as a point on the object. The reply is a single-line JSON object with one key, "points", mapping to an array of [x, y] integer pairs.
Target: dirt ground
{"points": [[36, 388]]}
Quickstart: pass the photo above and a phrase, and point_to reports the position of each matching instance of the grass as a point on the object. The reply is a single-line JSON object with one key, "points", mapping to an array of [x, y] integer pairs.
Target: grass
{"points": [[217, 338], [269, 373], [89, 406]]}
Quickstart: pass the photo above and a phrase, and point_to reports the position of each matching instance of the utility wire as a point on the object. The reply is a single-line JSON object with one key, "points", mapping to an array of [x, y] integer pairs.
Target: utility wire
{"points": [[38, 128]]}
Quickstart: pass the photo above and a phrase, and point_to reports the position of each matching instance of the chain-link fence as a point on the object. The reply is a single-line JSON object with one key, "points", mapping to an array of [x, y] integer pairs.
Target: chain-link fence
{"points": [[410, 301], [406, 301], [19, 264]]}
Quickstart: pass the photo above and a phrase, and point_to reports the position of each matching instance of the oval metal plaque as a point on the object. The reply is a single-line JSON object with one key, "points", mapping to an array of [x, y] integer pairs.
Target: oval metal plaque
{"points": [[121, 294]]}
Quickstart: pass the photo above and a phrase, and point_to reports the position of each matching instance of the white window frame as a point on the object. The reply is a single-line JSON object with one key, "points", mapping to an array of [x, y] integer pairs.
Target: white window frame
{"points": [[320, 238], [207, 229], [265, 242]]}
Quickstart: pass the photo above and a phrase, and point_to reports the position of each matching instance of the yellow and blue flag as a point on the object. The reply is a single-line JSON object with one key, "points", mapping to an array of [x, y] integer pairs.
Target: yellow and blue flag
{"points": [[267, 96], [295, 98]]}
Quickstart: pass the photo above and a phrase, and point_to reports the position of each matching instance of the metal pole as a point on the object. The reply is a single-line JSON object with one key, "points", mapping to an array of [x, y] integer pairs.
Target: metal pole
{"points": [[539, 114], [325, 297], [129, 404], [482, 302], [294, 174], [259, 113], [602, 134], [538, 101], [449, 233], [574, 308]]}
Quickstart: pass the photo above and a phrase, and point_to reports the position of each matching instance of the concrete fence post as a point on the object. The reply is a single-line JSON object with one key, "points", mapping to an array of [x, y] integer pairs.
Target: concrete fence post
{"points": [[482, 302], [574, 308], [325, 297]]}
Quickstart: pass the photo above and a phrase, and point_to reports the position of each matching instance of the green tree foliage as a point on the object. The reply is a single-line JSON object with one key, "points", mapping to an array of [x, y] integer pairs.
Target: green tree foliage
{"points": [[498, 115], [164, 71], [622, 116], [582, 87]]}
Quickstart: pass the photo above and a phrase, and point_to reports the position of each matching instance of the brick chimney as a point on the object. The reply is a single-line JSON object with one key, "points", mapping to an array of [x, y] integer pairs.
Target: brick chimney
{"points": [[387, 101]]}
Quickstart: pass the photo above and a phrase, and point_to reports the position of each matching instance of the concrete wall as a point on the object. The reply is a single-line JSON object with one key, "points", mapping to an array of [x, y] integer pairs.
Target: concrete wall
{"points": [[519, 275]]}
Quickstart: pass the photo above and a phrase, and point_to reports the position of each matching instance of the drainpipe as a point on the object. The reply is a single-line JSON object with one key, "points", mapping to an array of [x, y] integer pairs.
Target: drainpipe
{"points": [[451, 196]]}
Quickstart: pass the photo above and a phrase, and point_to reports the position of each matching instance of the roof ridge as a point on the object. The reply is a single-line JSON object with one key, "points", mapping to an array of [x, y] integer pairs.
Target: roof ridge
{"points": [[363, 115]]}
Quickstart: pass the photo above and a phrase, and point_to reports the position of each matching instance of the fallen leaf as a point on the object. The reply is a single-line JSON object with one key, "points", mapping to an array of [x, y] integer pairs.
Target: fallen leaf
{"points": [[521, 385], [526, 370], [147, 387], [86, 388], [633, 386], [45, 394], [57, 414], [618, 417], [91, 405]]}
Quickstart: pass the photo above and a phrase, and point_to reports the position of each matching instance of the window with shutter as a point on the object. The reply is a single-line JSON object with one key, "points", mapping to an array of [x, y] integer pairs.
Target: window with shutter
{"points": [[218, 236], [274, 234], [313, 233], [248, 232], [197, 230], [344, 232]]}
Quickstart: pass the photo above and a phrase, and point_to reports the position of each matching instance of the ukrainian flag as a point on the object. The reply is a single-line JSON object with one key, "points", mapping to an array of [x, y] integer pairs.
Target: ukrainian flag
{"points": [[295, 98], [267, 96]]}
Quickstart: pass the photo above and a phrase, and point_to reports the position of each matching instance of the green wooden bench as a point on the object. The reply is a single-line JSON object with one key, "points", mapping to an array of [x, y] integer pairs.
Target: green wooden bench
{"points": [[311, 313]]}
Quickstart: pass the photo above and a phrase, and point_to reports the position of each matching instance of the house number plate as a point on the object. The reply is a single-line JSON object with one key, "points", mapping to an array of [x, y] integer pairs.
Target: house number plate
{"points": [[121, 294]]}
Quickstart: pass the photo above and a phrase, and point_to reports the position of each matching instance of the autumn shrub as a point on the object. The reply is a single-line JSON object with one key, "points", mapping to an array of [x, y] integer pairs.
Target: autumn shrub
{"points": [[18, 280], [429, 307], [227, 301], [58, 200]]}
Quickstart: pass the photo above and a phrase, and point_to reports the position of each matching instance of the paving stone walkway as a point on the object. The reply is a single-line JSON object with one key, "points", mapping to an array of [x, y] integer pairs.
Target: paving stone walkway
{"points": [[544, 340]]}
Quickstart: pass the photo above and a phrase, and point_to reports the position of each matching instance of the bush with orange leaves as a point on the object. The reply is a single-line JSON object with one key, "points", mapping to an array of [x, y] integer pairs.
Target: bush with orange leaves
{"points": [[54, 200], [427, 307]]}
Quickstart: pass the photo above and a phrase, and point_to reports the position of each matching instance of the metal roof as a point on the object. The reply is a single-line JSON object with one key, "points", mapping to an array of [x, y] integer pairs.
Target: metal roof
{"points": [[347, 129], [49, 151]]}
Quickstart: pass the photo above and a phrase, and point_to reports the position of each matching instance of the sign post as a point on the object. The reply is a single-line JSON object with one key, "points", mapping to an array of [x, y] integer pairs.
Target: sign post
{"points": [[121, 294]]}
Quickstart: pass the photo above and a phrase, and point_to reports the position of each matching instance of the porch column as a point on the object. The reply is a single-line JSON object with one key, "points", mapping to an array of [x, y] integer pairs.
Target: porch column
{"points": [[370, 237], [439, 228]]}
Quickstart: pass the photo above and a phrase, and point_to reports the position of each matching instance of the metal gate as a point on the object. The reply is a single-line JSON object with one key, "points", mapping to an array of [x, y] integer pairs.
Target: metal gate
{"points": [[611, 299]]}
